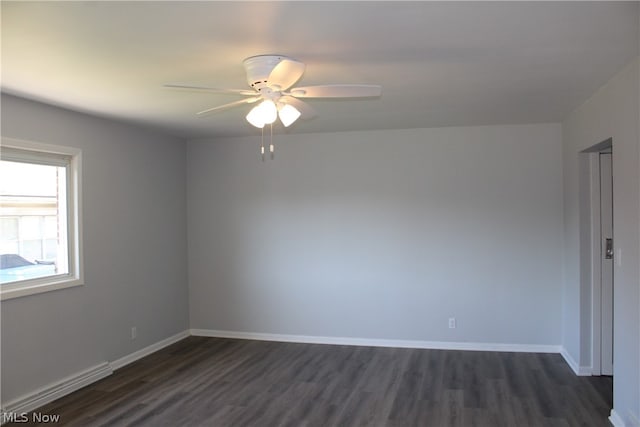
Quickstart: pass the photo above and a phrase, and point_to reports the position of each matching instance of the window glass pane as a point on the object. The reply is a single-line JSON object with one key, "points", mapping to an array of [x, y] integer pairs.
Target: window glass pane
{"points": [[51, 226], [50, 249], [9, 247], [31, 250], [33, 221], [9, 228], [25, 179], [30, 228]]}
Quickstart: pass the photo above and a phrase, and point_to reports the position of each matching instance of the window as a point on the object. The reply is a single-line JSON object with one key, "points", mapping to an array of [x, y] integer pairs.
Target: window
{"points": [[39, 218]]}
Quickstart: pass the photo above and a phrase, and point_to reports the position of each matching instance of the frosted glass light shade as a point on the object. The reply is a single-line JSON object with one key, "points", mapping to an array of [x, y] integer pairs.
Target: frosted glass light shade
{"points": [[263, 114], [288, 114], [255, 118]]}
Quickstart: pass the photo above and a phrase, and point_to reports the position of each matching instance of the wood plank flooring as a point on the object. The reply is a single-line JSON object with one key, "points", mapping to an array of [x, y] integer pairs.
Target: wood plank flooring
{"points": [[224, 382]]}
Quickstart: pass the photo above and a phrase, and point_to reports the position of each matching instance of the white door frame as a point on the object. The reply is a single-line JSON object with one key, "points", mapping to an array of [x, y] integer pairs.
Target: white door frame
{"points": [[596, 285], [597, 365]]}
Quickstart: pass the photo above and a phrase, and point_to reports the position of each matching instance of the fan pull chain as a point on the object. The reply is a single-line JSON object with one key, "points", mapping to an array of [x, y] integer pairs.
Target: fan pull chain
{"points": [[262, 144], [271, 147]]}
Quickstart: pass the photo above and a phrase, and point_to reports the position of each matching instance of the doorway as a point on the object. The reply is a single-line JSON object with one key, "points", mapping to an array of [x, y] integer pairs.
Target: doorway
{"points": [[601, 260]]}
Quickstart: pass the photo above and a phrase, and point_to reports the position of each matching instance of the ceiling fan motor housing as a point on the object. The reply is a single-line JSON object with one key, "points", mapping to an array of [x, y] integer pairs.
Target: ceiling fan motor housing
{"points": [[259, 67]]}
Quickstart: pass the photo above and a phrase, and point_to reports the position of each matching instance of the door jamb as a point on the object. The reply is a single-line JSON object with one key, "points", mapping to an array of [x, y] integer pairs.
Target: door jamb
{"points": [[595, 251], [596, 282]]}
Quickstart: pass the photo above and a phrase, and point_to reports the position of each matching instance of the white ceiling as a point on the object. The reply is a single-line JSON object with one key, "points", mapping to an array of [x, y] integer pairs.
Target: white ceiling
{"points": [[439, 63]]}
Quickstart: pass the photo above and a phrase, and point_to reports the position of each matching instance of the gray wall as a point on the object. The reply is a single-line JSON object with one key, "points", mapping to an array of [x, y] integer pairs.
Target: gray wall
{"points": [[381, 234], [134, 251], [612, 112]]}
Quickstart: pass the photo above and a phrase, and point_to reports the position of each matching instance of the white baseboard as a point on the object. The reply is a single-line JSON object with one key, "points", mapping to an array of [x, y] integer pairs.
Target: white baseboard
{"points": [[58, 389], [583, 371], [75, 382], [616, 419], [372, 342], [123, 361]]}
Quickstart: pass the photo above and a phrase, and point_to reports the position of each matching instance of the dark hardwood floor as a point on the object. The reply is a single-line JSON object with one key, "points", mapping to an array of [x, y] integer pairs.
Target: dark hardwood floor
{"points": [[224, 382]]}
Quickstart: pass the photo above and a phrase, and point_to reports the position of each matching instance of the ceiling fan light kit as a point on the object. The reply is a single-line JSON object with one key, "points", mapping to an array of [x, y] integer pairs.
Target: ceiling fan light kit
{"points": [[288, 114], [270, 76], [264, 113], [267, 111]]}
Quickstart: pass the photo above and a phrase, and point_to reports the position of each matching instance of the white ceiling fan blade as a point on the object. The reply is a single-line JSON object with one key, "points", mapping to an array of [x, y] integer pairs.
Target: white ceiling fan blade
{"points": [[337, 91], [229, 105], [306, 110], [285, 74], [211, 89]]}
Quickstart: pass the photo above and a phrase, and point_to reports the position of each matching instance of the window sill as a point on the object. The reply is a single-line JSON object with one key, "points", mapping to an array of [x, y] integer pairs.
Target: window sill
{"points": [[37, 286]]}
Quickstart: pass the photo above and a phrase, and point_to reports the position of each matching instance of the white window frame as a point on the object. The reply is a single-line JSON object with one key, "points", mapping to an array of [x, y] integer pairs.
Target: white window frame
{"points": [[75, 276]]}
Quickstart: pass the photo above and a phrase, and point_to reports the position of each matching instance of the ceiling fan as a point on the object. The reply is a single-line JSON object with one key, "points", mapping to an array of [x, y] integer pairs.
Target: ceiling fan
{"points": [[271, 78]]}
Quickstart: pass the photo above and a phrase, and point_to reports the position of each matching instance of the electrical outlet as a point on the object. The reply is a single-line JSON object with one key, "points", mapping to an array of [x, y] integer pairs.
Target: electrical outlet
{"points": [[452, 323], [134, 332]]}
